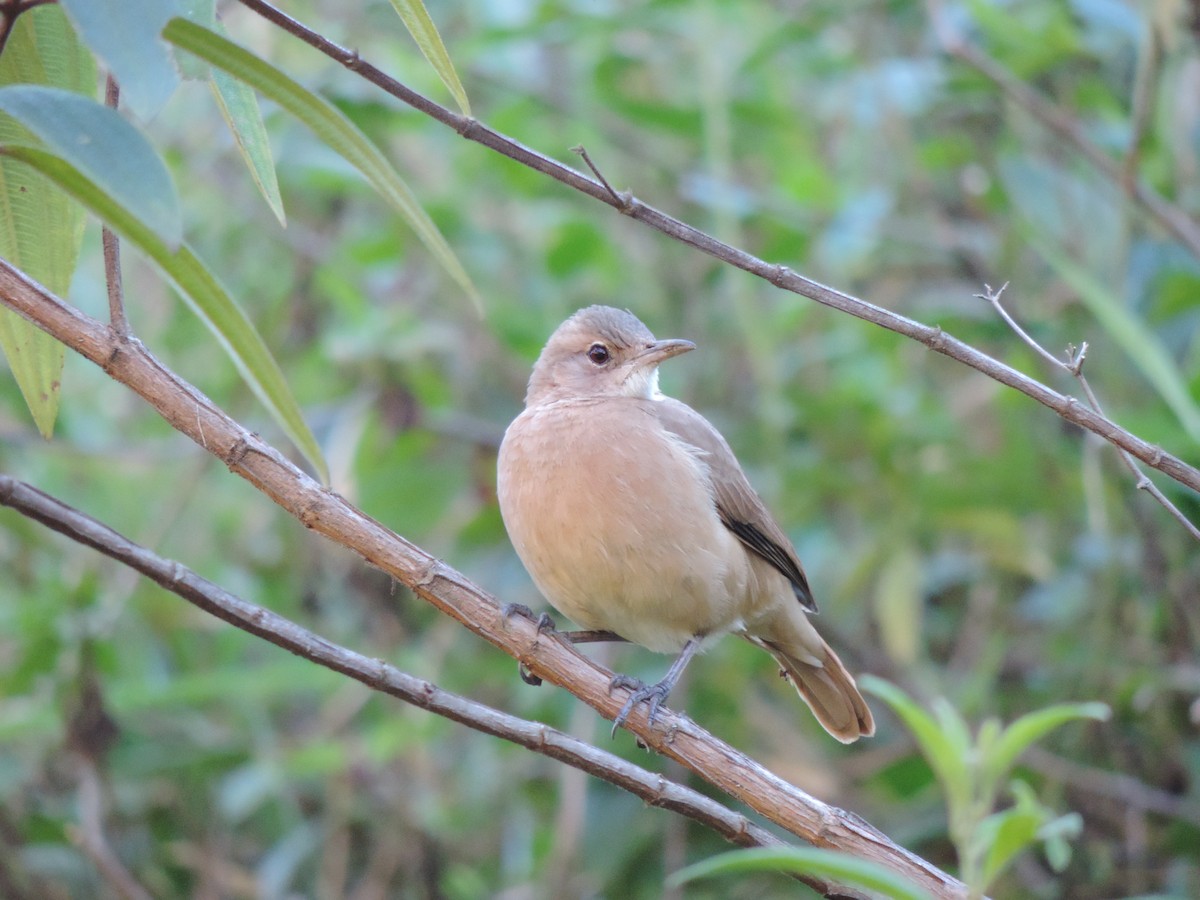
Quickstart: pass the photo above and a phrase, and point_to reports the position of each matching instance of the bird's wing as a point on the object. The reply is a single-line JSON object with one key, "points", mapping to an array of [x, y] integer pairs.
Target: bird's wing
{"points": [[740, 508]]}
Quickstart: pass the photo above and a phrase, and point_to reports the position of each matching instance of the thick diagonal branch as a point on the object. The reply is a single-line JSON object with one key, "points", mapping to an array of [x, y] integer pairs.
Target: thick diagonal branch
{"points": [[377, 675], [187, 410]]}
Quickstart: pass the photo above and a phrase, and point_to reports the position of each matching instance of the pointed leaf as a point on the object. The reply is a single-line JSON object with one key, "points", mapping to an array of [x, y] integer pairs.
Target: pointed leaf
{"points": [[1001, 836], [125, 35], [199, 288], [239, 106], [41, 228], [424, 32], [104, 148], [1026, 730], [330, 125], [839, 867], [945, 757]]}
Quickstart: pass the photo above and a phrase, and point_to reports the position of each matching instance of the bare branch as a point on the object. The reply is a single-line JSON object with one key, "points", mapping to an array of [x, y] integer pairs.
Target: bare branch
{"points": [[548, 656], [110, 241], [932, 337], [375, 674], [1074, 366]]}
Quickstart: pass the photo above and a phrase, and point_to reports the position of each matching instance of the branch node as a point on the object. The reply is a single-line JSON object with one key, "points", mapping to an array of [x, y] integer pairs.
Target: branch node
{"points": [[780, 275], [237, 453], [622, 201], [468, 127], [937, 337]]}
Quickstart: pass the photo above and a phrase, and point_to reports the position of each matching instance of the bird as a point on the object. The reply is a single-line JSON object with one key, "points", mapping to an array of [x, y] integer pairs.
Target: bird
{"points": [[635, 520]]}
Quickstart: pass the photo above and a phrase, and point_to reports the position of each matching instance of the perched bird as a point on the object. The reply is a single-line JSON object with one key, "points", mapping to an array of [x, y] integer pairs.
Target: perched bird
{"points": [[633, 516]]}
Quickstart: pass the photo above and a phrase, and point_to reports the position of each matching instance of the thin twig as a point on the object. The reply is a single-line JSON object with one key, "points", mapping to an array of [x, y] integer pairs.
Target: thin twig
{"points": [[549, 657], [622, 199], [375, 674], [1073, 365], [112, 244], [932, 337]]}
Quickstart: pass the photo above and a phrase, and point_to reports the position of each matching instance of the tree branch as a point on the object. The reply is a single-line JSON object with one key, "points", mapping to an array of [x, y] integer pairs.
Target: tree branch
{"points": [[548, 656], [110, 241], [934, 338], [1073, 365], [375, 674]]}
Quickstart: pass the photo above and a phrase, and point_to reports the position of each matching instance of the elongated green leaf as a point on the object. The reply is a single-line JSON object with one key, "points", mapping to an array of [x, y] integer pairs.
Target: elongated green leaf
{"points": [[424, 32], [105, 148], [329, 124], [829, 864], [1141, 344], [945, 757], [1029, 728], [125, 34], [40, 227], [239, 106], [199, 288]]}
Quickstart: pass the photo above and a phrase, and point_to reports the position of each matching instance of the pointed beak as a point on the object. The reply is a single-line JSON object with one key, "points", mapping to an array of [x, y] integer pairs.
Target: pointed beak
{"points": [[655, 353]]}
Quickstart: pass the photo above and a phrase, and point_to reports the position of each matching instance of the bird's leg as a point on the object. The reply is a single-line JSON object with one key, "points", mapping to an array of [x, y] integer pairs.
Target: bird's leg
{"points": [[655, 693]]}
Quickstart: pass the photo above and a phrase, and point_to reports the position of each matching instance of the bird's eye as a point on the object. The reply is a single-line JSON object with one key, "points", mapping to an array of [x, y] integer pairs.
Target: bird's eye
{"points": [[598, 354]]}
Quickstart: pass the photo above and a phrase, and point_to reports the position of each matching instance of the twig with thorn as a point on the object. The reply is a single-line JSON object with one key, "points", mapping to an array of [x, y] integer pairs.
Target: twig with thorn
{"points": [[622, 200], [1073, 365]]}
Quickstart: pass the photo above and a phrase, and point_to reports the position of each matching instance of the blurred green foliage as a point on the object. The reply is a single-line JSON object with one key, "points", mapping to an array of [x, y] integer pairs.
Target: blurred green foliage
{"points": [[962, 540]]}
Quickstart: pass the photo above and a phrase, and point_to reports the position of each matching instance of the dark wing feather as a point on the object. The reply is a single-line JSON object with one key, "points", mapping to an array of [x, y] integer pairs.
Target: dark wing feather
{"points": [[740, 508]]}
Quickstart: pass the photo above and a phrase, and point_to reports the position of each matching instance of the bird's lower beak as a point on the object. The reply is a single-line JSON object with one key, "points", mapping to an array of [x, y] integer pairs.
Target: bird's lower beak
{"points": [[660, 350]]}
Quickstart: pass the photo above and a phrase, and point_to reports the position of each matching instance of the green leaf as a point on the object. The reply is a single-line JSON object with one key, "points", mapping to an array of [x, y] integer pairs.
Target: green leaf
{"points": [[945, 754], [199, 288], [239, 106], [829, 864], [1001, 836], [330, 125], [1141, 344], [1029, 728], [125, 35], [899, 606], [41, 228], [104, 148], [424, 32]]}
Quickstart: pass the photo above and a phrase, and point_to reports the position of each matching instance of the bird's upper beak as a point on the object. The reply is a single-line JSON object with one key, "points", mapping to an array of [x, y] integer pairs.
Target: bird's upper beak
{"points": [[655, 353]]}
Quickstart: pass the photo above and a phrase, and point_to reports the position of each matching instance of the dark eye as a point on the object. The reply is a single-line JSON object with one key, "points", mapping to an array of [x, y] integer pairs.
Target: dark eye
{"points": [[598, 354]]}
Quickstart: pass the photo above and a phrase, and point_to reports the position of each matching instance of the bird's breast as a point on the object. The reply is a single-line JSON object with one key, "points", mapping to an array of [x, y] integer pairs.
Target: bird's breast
{"points": [[615, 520]]}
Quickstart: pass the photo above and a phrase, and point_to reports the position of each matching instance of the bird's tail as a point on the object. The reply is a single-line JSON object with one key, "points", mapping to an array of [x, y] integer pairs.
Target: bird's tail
{"points": [[823, 682]]}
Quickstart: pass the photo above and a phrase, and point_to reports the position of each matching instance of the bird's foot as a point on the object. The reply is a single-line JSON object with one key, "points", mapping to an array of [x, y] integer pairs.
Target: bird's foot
{"points": [[545, 625], [654, 693]]}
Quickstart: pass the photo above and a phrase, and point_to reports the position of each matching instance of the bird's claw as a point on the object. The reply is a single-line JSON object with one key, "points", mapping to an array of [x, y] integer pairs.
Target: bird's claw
{"points": [[639, 691], [545, 624], [527, 676]]}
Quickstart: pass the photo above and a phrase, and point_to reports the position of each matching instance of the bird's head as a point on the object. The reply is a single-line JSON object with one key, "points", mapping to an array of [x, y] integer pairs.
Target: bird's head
{"points": [[600, 352]]}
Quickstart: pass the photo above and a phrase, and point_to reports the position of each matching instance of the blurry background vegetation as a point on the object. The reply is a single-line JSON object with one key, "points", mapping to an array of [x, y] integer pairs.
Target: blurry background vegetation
{"points": [[962, 540]]}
